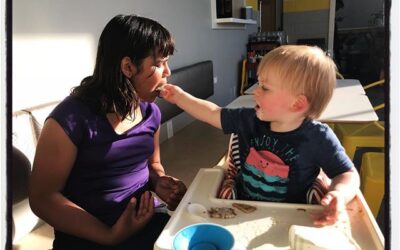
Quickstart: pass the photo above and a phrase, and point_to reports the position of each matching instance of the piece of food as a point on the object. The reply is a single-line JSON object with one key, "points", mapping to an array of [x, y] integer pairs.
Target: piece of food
{"points": [[221, 212], [159, 89], [244, 207]]}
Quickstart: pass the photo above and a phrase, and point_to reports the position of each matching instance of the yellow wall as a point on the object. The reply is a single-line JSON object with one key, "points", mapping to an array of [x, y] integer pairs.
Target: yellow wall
{"points": [[305, 5], [252, 3]]}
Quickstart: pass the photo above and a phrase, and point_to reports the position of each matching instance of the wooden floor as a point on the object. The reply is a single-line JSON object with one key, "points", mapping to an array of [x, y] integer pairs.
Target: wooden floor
{"points": [[198, 145]]}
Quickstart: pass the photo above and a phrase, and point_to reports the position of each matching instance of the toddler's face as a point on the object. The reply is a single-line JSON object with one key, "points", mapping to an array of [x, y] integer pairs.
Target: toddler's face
{"points": [[273, 102]]}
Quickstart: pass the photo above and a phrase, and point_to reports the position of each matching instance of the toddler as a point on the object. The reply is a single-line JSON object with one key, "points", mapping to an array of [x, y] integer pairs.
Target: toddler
{"points": [[282, 147]]}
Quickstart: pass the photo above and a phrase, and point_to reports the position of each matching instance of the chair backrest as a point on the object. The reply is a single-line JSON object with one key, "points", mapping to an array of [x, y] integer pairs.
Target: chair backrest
{"points": [[21, 170], [27, 125], [243, 80], [373, 84], [196, 79], [374, 95], [339, 76], [26, 128]]}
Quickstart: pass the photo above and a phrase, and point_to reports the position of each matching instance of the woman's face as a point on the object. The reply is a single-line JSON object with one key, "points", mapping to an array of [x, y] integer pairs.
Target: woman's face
{"points": [[152, 74]]}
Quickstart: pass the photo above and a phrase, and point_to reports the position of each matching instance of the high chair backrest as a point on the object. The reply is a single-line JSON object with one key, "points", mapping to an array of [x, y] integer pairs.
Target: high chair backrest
{"points": [[231, 168]]}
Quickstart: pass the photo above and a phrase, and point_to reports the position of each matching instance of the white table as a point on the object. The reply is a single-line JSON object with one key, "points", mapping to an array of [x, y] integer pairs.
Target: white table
{"points": [[348, 104], [355, 108], [343, 86], [267, 227], [349, 86]]}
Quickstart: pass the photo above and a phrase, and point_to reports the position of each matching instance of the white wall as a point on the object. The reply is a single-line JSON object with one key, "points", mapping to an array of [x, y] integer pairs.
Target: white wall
{"points": [[54, 43]]}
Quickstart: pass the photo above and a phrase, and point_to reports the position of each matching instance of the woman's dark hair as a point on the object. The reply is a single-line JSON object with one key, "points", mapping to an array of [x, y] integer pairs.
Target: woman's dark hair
{"points": [[107, 90]]}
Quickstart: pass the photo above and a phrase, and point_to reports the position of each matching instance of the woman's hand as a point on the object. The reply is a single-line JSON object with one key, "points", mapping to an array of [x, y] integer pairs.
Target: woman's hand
{"points": [[170, 190], [334, 204], [133, 220]]}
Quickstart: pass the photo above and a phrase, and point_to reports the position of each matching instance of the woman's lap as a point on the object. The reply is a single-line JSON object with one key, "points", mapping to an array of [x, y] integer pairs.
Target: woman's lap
{"points": [[142, 240]]}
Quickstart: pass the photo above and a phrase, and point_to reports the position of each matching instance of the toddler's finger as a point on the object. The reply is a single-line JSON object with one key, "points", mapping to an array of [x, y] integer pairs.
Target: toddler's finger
{"points": [[326, 200]]}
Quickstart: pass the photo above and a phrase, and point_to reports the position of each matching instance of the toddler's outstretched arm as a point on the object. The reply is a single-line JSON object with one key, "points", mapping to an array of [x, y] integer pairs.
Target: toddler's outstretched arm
{"points": [[200, 109]]}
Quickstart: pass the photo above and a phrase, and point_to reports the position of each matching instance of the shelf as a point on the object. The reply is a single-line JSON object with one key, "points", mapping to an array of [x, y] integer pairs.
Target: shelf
{"points": [[227, 23], [235, 20]]}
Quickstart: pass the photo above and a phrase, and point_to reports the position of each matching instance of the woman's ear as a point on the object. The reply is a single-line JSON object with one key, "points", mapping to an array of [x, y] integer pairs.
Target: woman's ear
{"points": [[127, 67], [301, 104]]}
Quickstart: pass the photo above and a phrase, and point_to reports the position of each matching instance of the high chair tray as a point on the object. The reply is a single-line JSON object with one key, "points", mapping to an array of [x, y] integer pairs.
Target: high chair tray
{"points": [[268, 226]]}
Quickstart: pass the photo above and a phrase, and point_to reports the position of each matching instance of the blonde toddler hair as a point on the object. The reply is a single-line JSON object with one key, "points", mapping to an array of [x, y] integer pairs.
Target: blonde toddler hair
{"points": [[303, 70]]}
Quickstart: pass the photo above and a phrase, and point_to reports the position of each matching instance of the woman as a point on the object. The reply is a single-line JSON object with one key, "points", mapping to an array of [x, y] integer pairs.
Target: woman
{"points": [[98, 154]]}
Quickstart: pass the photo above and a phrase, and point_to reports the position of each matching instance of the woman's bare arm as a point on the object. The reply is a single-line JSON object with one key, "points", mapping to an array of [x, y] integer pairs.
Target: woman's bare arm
{"points": [[168, 188], [55, 156]]}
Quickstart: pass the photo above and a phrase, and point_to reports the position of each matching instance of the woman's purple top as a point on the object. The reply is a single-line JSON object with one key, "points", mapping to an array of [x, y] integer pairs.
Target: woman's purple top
{"points": [[109, 168]]}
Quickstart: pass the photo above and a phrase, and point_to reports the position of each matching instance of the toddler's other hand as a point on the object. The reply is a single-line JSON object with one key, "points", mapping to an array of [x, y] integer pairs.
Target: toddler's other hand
{"points": [[334, 205]]}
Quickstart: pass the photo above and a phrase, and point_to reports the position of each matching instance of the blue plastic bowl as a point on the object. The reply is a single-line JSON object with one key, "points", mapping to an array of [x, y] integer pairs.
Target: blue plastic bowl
{"points": [[203, 236]]}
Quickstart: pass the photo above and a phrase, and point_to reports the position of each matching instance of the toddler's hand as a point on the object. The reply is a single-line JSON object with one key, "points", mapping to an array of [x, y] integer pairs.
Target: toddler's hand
{"points": [[334, 204], [170, 92]]}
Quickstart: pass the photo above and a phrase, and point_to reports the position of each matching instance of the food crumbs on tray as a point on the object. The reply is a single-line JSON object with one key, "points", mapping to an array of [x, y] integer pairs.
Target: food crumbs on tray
{"points": [[301, 209], [222, 212]]}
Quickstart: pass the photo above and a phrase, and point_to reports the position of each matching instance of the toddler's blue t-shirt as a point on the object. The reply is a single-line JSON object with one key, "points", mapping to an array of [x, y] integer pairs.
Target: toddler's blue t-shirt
{"points": [[282, 166]]}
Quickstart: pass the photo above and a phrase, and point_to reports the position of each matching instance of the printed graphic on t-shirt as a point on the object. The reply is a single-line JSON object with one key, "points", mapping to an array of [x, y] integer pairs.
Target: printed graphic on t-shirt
{"points": [[265, 176]]}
